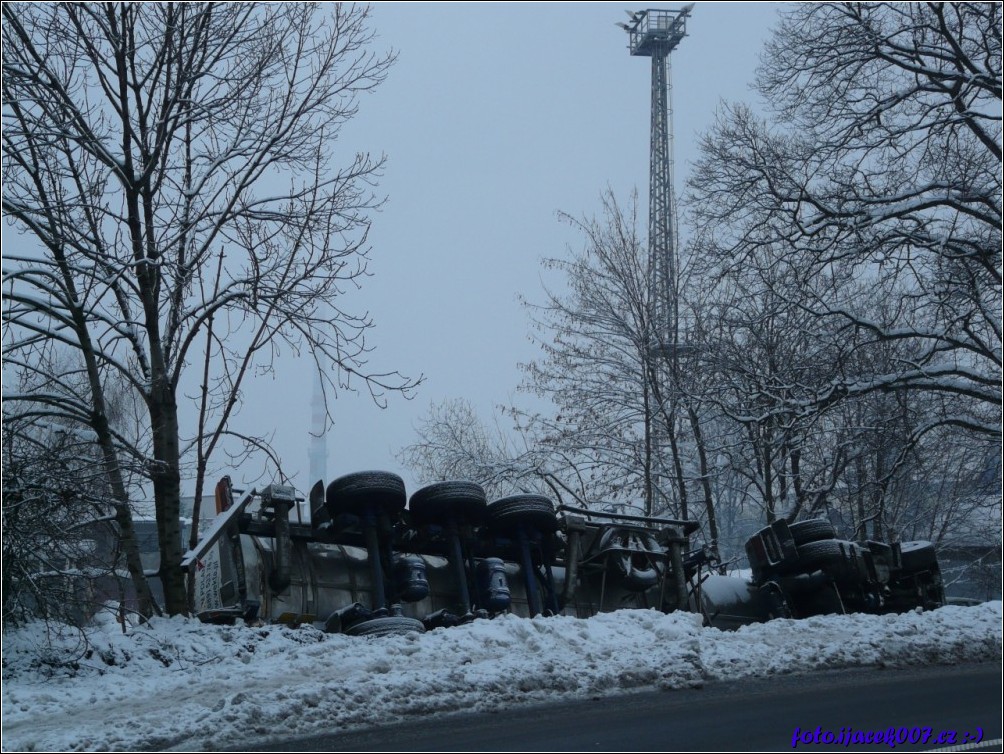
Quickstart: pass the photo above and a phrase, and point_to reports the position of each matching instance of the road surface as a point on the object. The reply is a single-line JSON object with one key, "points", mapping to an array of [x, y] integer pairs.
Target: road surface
{"points": [[956, 704]]}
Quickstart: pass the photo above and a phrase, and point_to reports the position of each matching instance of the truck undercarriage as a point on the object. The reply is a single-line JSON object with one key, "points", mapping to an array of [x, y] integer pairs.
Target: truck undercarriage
{"points": [[369, 561]]}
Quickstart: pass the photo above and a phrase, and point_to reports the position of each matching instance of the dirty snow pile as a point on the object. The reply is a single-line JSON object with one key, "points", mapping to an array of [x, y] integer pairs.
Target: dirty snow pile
{"points": [[177, 684]]}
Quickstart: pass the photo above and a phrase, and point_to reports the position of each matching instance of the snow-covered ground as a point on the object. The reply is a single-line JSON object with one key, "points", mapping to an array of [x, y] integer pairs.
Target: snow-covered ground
{"points": [[177, 684]]}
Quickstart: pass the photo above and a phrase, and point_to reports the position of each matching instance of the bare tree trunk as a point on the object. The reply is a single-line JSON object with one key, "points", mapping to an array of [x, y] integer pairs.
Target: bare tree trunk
{"points": [[123, 516], [648, 480], [702, 457], [167, 493], [859, 467], [768, 481], [677, 462], [146, 605]]}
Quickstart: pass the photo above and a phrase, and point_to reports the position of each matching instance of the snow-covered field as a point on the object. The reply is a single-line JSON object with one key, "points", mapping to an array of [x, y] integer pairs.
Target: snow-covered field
{"points": [[177, 684]]}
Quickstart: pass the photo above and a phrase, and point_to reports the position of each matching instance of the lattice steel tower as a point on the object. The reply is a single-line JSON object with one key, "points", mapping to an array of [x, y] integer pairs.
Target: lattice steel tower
{"points": [[655, 34]]}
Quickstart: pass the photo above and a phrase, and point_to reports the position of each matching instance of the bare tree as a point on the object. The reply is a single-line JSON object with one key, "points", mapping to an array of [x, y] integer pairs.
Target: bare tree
{"points": [[174, 165], [60, 553], [453, 442], [597, 371], [593, 331], [625, 427], [851, 242], [884, 167], [69, 391]]}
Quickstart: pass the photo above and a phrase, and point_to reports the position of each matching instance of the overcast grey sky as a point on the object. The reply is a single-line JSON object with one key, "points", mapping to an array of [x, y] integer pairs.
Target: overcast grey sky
{"points": [[495, 117]]}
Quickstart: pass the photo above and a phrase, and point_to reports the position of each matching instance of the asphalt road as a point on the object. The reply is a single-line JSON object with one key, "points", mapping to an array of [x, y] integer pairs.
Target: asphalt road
{"points": [[953, 703]]}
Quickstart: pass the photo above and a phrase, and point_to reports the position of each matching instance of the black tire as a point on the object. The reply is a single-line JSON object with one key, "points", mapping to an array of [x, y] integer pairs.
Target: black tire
{"points": [[918, 556], [823, 554], [387, 625], [533, 512], [811, 530], [461, 502], [376, 491]]}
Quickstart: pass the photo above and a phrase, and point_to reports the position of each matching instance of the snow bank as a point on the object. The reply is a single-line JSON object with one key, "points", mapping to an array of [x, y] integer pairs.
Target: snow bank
{"points": [[178, 684]]}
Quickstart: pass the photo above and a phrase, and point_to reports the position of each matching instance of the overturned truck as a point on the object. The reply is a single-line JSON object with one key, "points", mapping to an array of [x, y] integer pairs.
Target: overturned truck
{"points": [[369, 561]]}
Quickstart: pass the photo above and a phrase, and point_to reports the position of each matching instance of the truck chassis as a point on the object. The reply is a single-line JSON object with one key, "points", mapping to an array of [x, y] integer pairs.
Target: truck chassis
{"points": [[370, 562]]}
